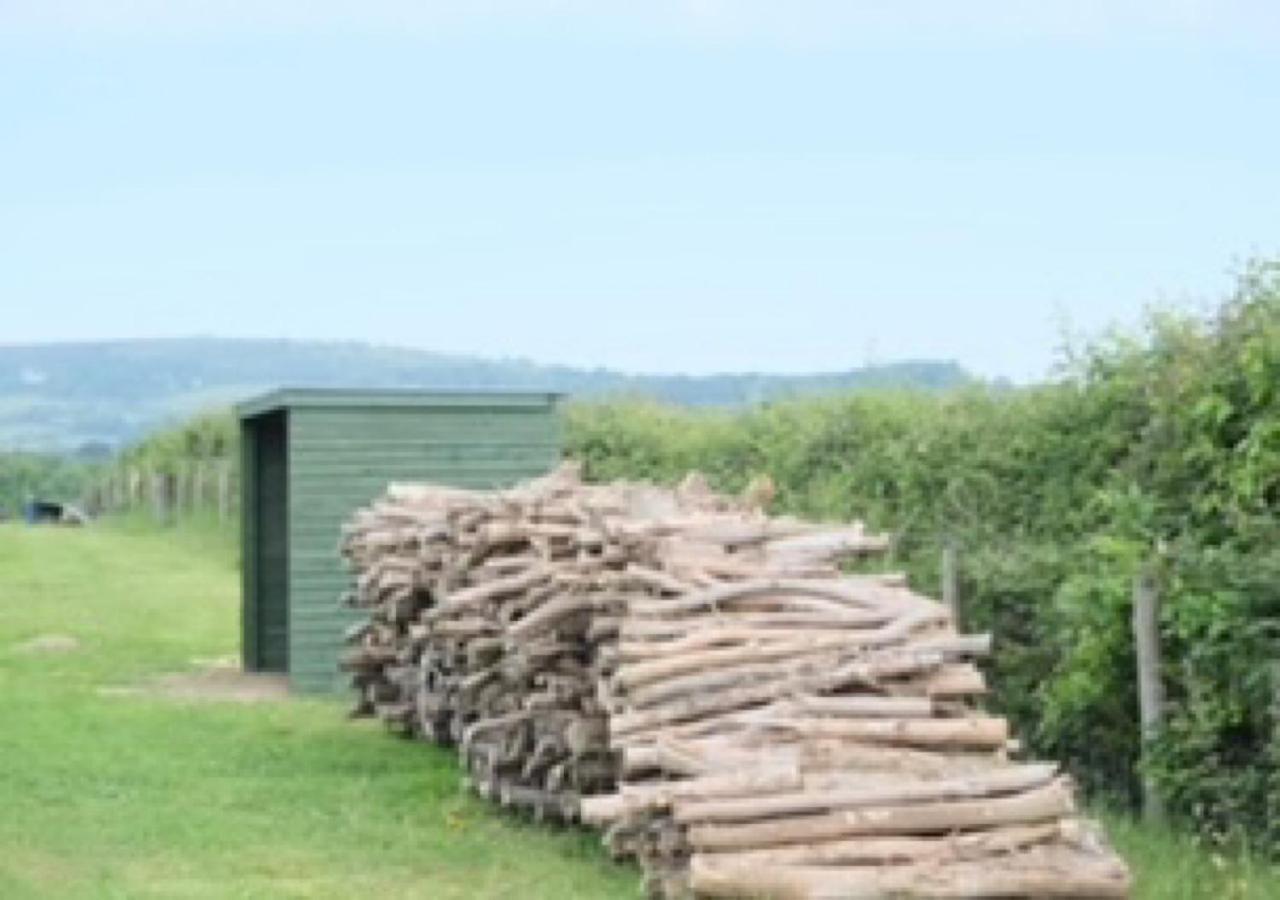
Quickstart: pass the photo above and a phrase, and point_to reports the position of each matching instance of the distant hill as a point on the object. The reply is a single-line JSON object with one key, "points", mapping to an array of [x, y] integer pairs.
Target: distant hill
{"points": [[95, 396]]}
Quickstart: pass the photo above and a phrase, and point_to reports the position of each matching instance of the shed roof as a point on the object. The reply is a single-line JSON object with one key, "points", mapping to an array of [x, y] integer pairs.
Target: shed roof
{"points": [[337, 398]]}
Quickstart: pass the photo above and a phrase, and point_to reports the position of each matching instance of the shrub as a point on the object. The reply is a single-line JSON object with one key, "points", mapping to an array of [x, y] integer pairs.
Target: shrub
{"points": [[1162, 447]]}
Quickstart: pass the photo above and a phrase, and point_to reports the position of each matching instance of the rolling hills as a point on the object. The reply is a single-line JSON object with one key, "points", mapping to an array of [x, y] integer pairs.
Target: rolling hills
{"points": [[99, 396]]}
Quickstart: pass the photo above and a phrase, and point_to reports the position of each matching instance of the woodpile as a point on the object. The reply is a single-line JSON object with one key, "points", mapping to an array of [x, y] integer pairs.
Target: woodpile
{"points": [[705, 684]]}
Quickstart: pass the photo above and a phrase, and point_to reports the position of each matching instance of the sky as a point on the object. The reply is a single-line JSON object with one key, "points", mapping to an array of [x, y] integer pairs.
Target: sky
{"points": [[674, 185]]}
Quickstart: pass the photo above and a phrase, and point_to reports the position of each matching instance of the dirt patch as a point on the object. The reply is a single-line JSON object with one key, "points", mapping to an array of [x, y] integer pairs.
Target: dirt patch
{"points": [[49, 643], [218, 679]]}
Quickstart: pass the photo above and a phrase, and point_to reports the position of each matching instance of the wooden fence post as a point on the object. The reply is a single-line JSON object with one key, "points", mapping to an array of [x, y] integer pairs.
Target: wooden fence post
{"points": [[110, 501], [164, 488], [201, 491], [193, 486], [224, 491], [156, 490], [951, 580], [1146, 639], [170, 494]]}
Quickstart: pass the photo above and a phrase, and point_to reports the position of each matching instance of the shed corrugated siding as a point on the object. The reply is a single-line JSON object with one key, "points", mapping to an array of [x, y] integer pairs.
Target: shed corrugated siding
{"points": [[341, 459]]}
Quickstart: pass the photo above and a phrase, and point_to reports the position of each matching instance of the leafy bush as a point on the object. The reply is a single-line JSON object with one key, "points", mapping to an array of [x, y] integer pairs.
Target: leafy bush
{"points": [[1161, 450], [212, 436]]}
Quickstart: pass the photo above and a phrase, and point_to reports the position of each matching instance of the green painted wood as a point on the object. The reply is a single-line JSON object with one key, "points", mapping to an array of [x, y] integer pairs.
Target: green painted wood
{"points": [[478, 461], [266, 550], [342, 453], [329, 426], [484, 440], [297, 398], [250, 648]]}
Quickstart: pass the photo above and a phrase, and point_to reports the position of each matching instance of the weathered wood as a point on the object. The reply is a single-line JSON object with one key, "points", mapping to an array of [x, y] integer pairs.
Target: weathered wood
{"points": [[224, 491], [661, 795], [902, 790], [970, 732], [702, 681], [1063, 874], [474, 596], [951, 580], [783, 648], [163, 497], [1146, 637], [1044, 804], [876, 850]]}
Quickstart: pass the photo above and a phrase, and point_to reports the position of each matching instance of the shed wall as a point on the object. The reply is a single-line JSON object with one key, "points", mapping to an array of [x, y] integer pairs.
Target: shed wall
{"points": [[266, 557], [342, 458]]}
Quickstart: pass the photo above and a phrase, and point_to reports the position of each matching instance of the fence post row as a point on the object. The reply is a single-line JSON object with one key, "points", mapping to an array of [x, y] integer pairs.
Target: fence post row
{"points": [[193, 486], [164, 489]]}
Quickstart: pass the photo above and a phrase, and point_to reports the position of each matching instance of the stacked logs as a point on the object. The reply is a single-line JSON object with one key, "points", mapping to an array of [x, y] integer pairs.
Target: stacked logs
{"points": [[705, 684], [818, 738], [489, 629]]}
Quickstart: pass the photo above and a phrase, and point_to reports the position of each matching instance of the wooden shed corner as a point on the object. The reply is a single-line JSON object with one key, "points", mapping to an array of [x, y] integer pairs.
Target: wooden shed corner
{"points": [[311, 457]]}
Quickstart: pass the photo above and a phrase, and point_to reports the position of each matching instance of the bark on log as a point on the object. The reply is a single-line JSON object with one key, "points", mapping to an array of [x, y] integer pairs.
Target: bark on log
{"points": [[995, 783], [1043, 804], [873, 851], [1041, 876]]}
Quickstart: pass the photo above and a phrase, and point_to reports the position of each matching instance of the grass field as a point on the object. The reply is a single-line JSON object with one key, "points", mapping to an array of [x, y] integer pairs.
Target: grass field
{"points": [[131, 796], [110, 794]]}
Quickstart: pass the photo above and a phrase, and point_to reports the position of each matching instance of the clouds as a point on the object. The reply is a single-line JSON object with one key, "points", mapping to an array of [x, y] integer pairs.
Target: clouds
{"points": [[838, 22]]}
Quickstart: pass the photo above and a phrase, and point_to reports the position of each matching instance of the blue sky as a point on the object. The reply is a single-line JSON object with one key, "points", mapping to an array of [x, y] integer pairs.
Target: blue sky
{"points": [[691, 186]]}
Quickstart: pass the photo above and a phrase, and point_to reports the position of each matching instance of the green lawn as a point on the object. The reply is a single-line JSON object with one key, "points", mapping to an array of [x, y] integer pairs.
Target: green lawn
{"points": [[110, 795], [1168, 865], [128, 796]]}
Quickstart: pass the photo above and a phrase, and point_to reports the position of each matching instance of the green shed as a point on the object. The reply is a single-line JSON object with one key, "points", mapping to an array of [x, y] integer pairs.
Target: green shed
{"points": [[312, 457]]}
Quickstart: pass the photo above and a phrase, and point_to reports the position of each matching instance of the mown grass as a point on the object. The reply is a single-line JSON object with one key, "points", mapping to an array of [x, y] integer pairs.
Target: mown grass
{"points": [[134, 796], [108, 795]]}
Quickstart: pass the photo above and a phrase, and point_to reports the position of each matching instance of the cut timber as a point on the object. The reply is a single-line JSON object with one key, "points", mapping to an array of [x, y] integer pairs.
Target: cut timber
{"points": [[661, 795], [955, 681], [1039, 873], [869, 707], [781, 648], [513, 584], [690, 625], [879, 850], [702, 681], [971, 732], [1040, 805], [993, 783]]}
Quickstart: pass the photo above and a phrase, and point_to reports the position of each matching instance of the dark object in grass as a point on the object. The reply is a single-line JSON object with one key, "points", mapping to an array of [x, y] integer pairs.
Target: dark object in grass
{"points": [[48, 512]]}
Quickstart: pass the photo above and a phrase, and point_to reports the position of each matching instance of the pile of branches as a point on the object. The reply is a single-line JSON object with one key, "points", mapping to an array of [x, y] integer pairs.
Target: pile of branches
{"points": [[704, 683]]}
